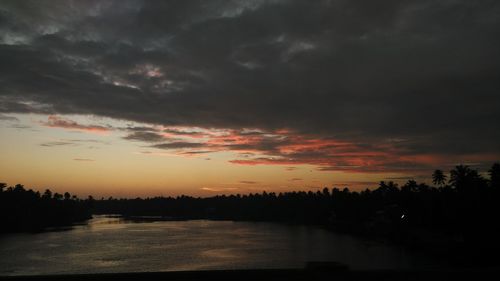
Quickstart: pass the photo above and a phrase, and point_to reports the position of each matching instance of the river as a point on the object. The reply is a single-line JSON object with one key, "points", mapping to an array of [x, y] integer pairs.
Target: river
{"points": [[111, 244]]}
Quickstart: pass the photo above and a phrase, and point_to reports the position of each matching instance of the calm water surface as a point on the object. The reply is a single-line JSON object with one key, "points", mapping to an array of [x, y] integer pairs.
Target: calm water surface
{"points": [[113, 245]]}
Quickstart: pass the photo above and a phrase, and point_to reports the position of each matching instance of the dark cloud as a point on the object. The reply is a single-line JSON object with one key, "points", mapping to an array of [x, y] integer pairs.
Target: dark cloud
{"points": [[8, 118], [179, 132], [424, 72], [73, 142], [196, 152], [145, 136], [88, 141], [358, 184], [56, 143], [83, 159], [139, 129], [21, 126], [403, 178], [178, 145], [248, 182]]}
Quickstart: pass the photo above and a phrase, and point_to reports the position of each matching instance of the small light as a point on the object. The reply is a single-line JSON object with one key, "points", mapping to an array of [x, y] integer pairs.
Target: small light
{"points": [[403, 216]]}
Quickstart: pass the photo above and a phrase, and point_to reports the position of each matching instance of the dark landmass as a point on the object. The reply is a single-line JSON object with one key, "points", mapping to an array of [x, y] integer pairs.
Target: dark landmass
{"points": [[456, 218], [27, 210]]}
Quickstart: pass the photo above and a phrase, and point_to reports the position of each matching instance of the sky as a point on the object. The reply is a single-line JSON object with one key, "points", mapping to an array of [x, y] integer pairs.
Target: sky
{"points": [[144, 98]]}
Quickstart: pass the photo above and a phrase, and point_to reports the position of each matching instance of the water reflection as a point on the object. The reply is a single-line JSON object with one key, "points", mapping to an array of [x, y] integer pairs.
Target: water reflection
{"points": [[111, 244]]}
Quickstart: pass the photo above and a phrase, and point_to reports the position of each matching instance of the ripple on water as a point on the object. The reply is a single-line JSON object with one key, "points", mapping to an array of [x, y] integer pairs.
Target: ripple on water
{"points": [[114, 245]]}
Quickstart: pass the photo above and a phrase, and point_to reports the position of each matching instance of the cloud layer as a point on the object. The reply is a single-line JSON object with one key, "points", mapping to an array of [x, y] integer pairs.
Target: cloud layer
{"points": [[391, 81]]}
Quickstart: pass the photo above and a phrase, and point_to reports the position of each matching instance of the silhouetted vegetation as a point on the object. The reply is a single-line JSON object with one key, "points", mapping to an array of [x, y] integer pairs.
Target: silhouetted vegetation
{"points": [[458, 216], [27, 210]]}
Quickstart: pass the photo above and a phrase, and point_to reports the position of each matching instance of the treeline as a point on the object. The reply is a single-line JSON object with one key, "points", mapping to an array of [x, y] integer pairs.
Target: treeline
{"points": [[28, 210], [447, 205], [461, 209]]}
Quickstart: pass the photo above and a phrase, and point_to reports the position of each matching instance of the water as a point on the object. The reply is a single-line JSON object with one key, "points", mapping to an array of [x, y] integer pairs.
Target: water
{"points": [[113, 245]]}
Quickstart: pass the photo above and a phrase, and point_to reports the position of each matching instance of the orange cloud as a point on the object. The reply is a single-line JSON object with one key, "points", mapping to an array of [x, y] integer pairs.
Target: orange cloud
{"points": [[289, 148]]}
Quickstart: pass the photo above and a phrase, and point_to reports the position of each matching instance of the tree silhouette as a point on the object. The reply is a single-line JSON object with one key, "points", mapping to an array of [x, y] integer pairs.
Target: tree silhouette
{"points": [[19, 188], [26, 210], [47, 194], [464, 178], [438, 177], [326, 192], [387, 187], [494, 173], [410, 186]]}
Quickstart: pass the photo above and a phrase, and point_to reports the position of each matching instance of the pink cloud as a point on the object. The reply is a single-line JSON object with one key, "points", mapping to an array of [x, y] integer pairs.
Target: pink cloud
{"points": [[54, 121], [288, 148]]}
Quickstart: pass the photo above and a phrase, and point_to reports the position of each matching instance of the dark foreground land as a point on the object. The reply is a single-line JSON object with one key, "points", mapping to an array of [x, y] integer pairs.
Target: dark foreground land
{"points": [[321, 273]]}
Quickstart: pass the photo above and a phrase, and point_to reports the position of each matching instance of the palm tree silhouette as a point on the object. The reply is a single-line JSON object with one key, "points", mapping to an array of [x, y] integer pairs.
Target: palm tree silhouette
{"points": [[463, 177], [438, 177]]}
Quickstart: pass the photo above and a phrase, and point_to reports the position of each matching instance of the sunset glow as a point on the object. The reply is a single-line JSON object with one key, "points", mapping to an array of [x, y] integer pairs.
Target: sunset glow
{"points": [[129, 99], [108, 157]]}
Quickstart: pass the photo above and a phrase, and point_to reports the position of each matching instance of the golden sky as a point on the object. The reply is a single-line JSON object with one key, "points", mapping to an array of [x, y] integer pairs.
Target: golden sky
{"points": [[105, 157]]}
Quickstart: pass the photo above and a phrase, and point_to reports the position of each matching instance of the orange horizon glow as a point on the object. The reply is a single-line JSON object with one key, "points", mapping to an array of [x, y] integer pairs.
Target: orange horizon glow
{"points": [[87, 155]]}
